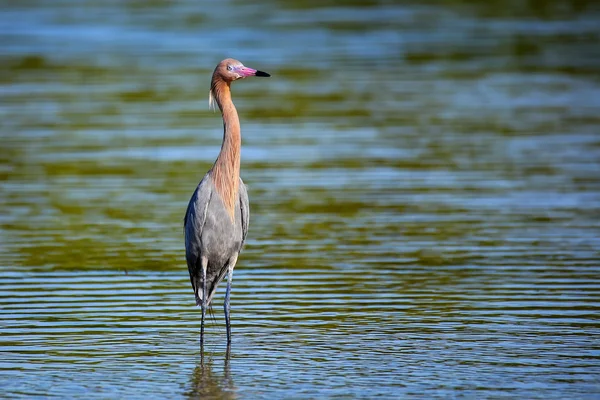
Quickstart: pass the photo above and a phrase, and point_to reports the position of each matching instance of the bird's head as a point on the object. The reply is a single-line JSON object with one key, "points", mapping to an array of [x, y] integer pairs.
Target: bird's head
{"points": [[230, 70]]}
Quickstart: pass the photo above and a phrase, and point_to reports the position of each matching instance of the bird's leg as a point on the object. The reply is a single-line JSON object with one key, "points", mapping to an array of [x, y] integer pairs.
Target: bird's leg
{"points": [[226, 367], [204, 262], [226, 306]]}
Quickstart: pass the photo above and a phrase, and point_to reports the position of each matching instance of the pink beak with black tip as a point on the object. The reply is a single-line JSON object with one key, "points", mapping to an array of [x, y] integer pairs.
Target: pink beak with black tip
{"points": [[246, 72]]}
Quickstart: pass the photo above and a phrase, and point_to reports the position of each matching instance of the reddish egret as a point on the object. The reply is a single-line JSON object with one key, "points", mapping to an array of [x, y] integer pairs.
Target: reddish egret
{"points": [[217, 216]]}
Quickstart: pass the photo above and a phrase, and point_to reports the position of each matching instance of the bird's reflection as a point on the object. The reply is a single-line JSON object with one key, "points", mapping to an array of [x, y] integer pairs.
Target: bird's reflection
{"points": [[205, 383]]}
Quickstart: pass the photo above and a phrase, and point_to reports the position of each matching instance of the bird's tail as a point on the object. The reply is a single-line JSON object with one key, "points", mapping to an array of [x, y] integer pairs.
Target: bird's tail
{"points": [[198, 291], [198, 294], [197, 284]]}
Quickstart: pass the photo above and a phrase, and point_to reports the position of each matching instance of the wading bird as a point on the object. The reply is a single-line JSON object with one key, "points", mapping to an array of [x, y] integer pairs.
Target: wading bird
{"points": [[217, 216]]}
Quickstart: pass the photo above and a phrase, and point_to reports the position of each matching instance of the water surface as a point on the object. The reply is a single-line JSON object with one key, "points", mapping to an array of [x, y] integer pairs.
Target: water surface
{"points": [[424, 184]]}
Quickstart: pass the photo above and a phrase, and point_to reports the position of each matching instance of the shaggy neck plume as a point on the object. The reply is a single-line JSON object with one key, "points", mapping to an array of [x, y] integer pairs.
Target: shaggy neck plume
{"points": [[226, 170]]}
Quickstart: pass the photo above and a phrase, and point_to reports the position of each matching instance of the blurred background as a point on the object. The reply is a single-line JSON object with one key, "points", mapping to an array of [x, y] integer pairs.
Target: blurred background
{"points": [[424, 180]]}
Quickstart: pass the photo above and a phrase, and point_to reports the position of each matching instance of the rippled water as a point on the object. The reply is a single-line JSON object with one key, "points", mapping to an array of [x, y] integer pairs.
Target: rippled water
{"points": [[424, 184]]}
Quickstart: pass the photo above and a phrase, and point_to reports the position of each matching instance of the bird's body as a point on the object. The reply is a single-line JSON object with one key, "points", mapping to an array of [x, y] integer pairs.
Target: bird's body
{"points": [[211, 234], [217, 217]]}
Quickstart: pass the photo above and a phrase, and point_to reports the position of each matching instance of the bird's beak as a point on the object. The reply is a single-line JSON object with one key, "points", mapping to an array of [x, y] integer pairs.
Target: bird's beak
{"points": [[246, 72]]}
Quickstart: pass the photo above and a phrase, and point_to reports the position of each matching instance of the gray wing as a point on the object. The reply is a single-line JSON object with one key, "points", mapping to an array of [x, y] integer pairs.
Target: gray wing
{"points": [[193, 222], [245, 208]]}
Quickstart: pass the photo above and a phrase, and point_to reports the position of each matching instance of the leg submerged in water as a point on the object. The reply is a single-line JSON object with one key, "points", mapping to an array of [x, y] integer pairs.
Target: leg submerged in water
{"points": [[204, 262], [226, 305]]}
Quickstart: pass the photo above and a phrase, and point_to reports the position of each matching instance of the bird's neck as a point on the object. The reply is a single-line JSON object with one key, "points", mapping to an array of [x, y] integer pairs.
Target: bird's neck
{"points": [[226, 170]]}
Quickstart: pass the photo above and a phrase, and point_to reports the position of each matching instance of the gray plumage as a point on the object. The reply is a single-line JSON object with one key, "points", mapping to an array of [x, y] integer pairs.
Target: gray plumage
{"points": [[217, 217], [210, 233]]}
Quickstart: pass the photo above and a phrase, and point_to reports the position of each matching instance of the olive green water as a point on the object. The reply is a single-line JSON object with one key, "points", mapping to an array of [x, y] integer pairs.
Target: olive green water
{"points": [[424, 184]]}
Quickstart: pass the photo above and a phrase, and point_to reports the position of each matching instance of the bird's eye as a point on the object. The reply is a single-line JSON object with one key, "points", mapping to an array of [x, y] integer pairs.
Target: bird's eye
{"points": [[229, 68]]}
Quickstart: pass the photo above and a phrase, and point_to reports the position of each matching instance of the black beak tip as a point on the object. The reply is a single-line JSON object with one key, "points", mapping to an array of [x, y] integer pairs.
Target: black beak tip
{"points": [[261, 73]]}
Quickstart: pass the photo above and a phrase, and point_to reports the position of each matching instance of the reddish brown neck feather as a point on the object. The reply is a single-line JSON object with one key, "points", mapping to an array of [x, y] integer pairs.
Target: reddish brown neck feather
{"points": [[226, 170]]}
